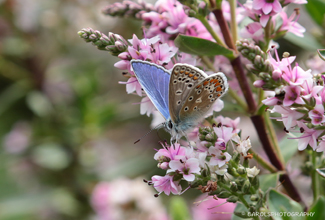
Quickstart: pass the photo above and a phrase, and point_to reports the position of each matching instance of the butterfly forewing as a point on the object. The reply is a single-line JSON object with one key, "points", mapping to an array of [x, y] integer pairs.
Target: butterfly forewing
{"points": [[182, 81], [154, 81], [202, 97]]}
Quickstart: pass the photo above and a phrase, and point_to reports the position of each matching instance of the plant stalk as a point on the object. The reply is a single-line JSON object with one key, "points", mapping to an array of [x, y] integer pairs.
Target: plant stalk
{"points": [[233, 22], [314, 176], [206, 24]]}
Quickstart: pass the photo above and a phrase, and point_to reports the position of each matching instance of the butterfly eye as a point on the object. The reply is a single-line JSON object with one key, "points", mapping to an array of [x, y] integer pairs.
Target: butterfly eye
{"points": [[170, 125]]}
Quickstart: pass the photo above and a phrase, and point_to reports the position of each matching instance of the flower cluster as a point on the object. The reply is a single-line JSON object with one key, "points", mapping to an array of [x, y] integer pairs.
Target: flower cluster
{"points": [[207, 162], [270, 20], [299, 95]]}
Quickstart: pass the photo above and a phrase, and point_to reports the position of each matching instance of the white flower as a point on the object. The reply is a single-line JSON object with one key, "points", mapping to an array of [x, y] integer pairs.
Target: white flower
{"points": [[252, 172], [242, 146]]}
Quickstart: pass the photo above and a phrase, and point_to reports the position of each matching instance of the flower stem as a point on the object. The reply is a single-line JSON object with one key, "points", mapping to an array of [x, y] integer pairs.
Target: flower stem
{"points": [[224, 28], [232, 93], [261, 161], [206, 24], [233, 22], [314, 176], [272, 136]]}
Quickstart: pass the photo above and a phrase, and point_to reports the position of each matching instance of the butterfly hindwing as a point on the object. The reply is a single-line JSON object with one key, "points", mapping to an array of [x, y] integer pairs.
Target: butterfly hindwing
{"points": [[201, 98], [183, 79], [155, 82]]}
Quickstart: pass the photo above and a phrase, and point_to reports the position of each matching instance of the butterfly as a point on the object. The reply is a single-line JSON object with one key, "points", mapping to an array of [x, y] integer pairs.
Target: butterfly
{"points": [[183, 96]]}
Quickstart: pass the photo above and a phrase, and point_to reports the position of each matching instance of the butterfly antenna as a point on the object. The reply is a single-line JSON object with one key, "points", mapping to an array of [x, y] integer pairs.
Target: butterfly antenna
{"points": [[157, 127]]}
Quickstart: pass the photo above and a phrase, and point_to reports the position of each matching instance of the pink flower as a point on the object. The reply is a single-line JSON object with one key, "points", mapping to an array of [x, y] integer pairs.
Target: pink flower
{"points": [[187, 168], [317, 114], [253, 30], [291, 25], [296, 76], [267, 6], [295, 1], [218, 158], [292, 95], [166, 184], [146, 106], [309, 136], [228, 122], [289, 117], [272, 101], [224, 133], [207, 208], [168, 153], [310, 89]]}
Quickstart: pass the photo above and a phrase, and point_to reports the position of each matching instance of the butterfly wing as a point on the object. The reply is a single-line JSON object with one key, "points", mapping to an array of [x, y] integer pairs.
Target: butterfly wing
{"points": [[182, 80], [155, 82], [201, 98]]}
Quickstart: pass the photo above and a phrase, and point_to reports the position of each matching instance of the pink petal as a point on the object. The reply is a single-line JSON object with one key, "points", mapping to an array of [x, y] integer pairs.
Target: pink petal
{"points": [[267, 8]]}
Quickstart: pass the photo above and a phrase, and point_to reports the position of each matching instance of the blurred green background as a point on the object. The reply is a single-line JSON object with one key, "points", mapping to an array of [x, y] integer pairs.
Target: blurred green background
{"points": [[66, 123]]}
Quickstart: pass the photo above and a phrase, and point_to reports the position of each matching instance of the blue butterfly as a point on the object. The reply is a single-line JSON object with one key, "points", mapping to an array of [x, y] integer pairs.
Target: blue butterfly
{"points": [[183, 96]]}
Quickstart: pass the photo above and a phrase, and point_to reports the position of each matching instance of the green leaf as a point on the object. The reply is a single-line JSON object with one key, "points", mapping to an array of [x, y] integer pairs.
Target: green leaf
{"points": [[278, 202], [240, 212], [288, 147], [321, 172], [179, 209], [321, 53], [308, 42], [268, 181], [317, 210], [316, 10], [201, 47]]}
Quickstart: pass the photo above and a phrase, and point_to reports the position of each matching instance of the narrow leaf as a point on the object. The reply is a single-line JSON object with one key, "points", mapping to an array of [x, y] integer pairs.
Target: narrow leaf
{"points": [[316, 10], [317, 210], [321, 53], [201, 47], [278, 202], [321, 172]]}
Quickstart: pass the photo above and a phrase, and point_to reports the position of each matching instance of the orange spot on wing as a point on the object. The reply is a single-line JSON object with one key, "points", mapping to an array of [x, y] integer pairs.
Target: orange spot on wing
{"points": [[182, 71], [186, 73], [205, 83], [217, 84], [218, 89], [190, 75], [195, 77], [218, 95], [198, 86]]}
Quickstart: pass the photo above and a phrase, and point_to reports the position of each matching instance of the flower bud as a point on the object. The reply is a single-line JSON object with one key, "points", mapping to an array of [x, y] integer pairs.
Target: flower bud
{"points": [[163, 165], [233, 187], [254, 198], [258, 61], [276, 74], [255, 182], [268, 67], [224, 194], [264, 75], [246, 187], [232, 199], [92, 37], [236, 157], [241, 170], [259, 83]]}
